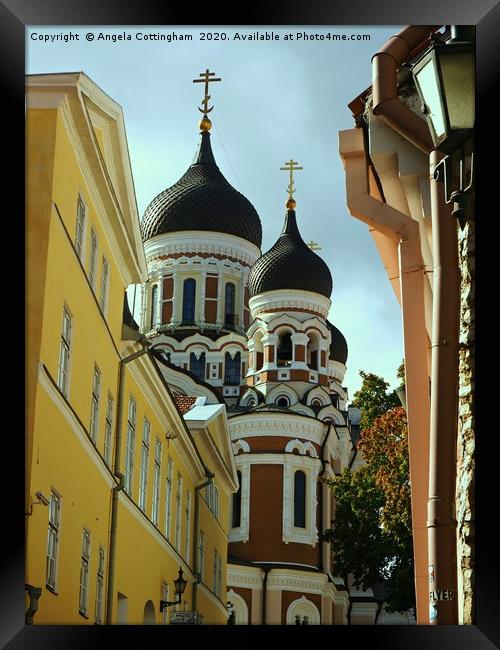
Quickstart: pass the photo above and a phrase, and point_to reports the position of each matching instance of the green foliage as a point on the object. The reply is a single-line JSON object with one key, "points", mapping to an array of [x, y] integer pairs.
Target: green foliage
{"points": [[372, 537], [400, 373], [373, 399]]}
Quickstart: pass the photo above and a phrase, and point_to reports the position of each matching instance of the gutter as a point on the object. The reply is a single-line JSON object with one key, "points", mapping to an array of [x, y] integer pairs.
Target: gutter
{"points": [[386, 103], [198, 580], [116, 471], [330, 422], [266, 570]]}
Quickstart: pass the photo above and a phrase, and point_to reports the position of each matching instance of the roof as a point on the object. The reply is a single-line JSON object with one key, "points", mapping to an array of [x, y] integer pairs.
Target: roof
{"points": [[202, 414], [338, 346], [202, 200], [184, 402], [290, 264]]}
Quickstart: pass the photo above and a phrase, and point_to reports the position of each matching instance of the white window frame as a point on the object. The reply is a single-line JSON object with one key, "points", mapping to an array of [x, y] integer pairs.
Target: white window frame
{"points": [[242, 532], [80, 228], [130, 447], [108, 430], [143, 479], [168, 500], [178, 510], [201, 554], [65, 352], [164, 596], [155, 508], [93, 258], [84, 573], [212, 499], [310, 467], [53, 533], [94, 407], [99, 590], [104, 287]]}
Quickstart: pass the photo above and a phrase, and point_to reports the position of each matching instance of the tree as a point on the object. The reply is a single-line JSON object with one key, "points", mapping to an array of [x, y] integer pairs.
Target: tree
{"points": [[372, 536], [373, 399]]}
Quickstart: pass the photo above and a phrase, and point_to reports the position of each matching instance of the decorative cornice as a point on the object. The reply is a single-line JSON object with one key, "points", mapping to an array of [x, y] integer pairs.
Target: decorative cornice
{"points": [[290, 299]]}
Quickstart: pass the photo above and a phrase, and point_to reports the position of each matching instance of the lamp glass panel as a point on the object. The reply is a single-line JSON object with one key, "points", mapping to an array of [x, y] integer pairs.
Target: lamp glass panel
{"points": [[429, 87], [457, 72]]}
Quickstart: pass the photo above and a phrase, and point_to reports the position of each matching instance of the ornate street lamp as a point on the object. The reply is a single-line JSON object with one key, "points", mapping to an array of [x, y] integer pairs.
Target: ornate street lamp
{"points": [[445, 80], [179, 586]]}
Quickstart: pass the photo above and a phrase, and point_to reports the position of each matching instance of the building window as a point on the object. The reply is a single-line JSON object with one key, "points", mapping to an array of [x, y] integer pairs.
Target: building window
{"points": [[143, 482], [84, 572], [129, 452], [188, 527], [99, 587], [283, 401], [93, 258], [178, 519], [168, 503], [212, 499], [64, 353], [156, 484], [188, 301], [94, 408], [236, 518], [217, 576], [232, 369], [80, 225], [201, 554], [299, 500], [108, 432], [104, 285], [154, 306], [229, 306], [53, 538], [197, 366], [284, 352]]}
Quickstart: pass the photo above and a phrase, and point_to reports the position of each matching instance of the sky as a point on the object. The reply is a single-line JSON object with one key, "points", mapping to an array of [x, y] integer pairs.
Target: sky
{"points": [[278, 99]]}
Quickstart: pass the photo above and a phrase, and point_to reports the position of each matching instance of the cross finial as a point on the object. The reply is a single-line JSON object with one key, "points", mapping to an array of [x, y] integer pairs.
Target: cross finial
{"points": [[290, 166], [314, 246], [207, 77]]}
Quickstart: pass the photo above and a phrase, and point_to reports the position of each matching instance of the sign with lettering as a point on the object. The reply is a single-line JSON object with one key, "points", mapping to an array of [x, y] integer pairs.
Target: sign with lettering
{"points": [[185, 618], [442, 594]]}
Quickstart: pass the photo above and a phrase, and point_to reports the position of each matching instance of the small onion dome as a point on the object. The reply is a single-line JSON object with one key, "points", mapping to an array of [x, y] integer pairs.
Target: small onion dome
{"points": [[338, 346], [202, 200], [290, 264]]}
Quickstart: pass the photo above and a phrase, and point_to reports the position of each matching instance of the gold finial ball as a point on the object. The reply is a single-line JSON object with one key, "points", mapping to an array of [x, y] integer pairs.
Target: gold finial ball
{"points": [[205, 124], [290, 204]]}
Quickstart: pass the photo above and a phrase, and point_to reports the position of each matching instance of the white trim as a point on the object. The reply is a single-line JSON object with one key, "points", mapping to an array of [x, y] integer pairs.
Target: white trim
{"points": [[260, 423], [311, 468], [303, 607], [240, 607], [282, 390], [289, 300], [242, 532]]}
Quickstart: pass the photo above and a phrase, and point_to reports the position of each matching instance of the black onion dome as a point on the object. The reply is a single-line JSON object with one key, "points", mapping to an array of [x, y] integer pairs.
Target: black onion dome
{"points": [[202, 200], [338, 346], [290, 264]]}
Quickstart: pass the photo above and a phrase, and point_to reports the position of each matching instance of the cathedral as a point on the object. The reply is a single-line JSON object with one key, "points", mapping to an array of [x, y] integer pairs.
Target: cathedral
{"points": [[232, 326]]}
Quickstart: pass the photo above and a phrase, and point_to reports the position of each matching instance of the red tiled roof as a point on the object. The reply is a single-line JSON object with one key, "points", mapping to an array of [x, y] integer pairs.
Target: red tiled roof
{"points": [[184, 402]]}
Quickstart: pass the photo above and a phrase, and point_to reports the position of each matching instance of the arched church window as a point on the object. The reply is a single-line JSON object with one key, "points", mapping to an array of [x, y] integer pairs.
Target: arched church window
{"points": [[236, 518], [251, 403], [284, 354], [299, 500], [283, 401], [188, 301], [154, 305], [197, 366], [316, 402], [232, 369], [229, 306]]}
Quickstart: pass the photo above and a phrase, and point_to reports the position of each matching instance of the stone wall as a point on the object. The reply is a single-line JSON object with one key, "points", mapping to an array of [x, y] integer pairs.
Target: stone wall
{"points": [[466, 428]]}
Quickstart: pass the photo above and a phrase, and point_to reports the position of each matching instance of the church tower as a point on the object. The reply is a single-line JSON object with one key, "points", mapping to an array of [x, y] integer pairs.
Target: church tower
{"points": [[289, 430], [201, 237]]}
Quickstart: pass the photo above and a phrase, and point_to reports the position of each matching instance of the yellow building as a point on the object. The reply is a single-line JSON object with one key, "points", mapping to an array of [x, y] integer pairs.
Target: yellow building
{"points": [[125, 484]]}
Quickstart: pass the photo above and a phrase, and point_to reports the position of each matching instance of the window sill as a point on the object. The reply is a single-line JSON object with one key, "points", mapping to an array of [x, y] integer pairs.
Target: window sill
{"points": [[83, 615], [52, 590]]}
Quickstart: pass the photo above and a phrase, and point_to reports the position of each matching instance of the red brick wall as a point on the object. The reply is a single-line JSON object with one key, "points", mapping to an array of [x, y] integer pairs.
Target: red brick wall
{"points": [[166, 312], [300, 353], [210, 311], [211, 287], [246, 594], [168, 288]]}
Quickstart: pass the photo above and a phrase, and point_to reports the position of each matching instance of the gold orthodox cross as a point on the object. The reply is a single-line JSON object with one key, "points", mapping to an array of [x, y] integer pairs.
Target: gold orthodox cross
{"points": [[314, 246], [206, 80], [290, 167]]}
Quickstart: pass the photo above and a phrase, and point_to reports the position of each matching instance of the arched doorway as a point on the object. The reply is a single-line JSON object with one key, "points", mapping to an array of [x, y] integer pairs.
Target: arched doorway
{"points": [[149, 613]]}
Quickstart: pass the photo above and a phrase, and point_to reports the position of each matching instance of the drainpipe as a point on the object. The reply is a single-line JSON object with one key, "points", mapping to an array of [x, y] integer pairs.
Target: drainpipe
{"points": [[386, 103], [401, 234], [264, 595], [116, 471], [328, 421], [197, 489], [444, 409]]}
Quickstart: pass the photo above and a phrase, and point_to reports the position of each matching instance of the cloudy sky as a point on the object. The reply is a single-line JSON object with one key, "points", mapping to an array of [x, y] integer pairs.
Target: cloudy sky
{"points": [[278, 99]]}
